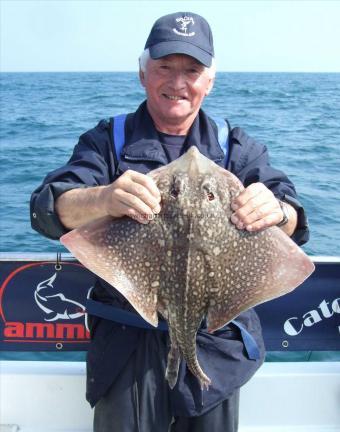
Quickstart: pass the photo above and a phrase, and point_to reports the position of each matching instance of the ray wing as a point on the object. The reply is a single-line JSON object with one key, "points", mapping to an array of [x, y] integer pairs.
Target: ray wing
{"points": [[124, 253], [259, 267], [252, 267]]}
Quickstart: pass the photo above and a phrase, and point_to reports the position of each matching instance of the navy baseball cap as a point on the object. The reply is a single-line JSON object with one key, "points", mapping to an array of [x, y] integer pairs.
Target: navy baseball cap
{"points": [[181, 33]]}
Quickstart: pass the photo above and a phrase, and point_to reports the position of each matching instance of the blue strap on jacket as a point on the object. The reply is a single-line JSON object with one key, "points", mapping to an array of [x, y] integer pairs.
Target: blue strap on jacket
{"points": [[119, 134], [128, 318], [124, 317]]}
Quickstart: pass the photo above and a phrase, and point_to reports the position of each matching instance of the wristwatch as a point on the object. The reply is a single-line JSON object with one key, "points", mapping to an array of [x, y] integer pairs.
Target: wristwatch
{"points": [[285, 214]]}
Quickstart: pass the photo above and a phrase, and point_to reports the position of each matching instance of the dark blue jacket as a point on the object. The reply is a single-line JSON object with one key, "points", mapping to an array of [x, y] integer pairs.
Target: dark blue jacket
{"points": [[93, 163]]}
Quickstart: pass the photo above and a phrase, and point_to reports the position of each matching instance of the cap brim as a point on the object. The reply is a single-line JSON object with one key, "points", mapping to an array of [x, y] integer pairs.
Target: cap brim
{"points": [[163, 49]]}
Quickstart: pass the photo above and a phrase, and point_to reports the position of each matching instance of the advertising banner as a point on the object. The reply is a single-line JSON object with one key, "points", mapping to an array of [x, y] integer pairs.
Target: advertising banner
{"points": [[43, 308], [307, 319]]}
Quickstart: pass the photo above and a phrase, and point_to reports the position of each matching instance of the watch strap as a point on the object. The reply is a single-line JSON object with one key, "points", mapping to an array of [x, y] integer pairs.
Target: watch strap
{"points": [[285, 214]]}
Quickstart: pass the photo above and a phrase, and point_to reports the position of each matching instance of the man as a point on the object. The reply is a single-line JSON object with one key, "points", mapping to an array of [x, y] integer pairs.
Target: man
{"points": [[126, 364]]}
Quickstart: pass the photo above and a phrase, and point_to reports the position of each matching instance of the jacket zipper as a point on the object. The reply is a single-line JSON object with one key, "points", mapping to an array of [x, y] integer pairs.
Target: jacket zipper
{"points": [[143, 159]]}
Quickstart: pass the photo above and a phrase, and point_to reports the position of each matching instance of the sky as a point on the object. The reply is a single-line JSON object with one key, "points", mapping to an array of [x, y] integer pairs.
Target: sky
{"points": [[109, 35]]}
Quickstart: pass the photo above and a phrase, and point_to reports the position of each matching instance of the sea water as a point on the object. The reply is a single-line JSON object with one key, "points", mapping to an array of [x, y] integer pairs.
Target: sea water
{"points": [[297, 115]]}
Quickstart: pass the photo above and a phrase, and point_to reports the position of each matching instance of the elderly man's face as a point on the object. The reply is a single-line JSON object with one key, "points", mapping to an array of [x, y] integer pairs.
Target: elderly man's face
{"points": [[176, 86]]}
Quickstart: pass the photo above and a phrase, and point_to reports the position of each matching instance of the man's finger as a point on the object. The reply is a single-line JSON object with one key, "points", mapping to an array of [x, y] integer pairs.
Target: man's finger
{"points": [[147, 182], [266, 222], [247, 194], [143, 194], [252, 205], [129, 201], [258, 213]]}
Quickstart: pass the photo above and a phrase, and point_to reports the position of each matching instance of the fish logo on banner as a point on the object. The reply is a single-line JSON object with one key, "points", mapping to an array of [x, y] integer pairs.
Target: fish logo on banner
{"points": [[42, 306], [56, 305]]}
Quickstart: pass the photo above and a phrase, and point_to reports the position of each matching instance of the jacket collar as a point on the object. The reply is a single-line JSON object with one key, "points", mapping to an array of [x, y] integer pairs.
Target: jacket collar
{"points": [[143, 142]]}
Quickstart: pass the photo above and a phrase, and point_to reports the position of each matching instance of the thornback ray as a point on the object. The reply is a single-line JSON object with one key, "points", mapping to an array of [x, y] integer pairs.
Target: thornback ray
{"points": [[190, 261]]}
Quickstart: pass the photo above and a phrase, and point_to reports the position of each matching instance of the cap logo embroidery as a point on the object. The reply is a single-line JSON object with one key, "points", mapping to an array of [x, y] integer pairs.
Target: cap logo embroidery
{"points": [[183, 23]]}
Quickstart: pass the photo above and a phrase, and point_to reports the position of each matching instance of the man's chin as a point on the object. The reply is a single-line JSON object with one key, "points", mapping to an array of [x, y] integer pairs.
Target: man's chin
{"points": [[177, 115]]}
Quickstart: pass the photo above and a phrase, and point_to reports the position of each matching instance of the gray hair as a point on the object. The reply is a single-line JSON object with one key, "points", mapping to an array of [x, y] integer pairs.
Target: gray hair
{"points": [[145, 57]]}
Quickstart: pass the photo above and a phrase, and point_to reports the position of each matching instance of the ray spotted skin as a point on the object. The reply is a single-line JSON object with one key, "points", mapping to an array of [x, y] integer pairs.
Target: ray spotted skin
{"points": [[190, 261]]}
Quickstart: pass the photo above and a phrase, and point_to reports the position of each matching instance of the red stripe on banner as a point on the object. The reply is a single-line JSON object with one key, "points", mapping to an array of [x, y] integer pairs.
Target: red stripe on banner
{"points": [[47, 341]]}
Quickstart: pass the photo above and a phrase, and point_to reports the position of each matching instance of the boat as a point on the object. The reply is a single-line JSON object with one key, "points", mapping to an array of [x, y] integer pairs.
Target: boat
{"points": [[44, 337]]}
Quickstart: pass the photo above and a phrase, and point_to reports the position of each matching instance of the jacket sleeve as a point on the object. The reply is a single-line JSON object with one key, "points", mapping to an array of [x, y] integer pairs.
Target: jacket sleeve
{"points": [[91, 164], [249, 161]]}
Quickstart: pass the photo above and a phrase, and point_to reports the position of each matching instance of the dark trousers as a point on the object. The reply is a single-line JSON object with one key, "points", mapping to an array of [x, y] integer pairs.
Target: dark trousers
{"points": [[138, 401]]}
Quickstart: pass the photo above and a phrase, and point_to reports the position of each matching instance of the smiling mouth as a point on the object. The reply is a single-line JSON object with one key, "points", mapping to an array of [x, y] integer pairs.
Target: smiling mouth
{"points": [[174, 98]]}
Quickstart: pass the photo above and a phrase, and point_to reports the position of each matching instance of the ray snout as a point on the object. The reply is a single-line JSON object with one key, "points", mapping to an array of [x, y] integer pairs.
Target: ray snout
{"points": [[194, 162]]}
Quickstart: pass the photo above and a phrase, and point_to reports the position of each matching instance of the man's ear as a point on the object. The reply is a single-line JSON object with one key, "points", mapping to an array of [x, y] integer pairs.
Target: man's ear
{"points": [[210, 86], [142, 77]]}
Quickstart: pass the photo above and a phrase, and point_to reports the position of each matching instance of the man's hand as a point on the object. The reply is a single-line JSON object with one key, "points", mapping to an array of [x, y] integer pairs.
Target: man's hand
{"points": [[256, 208], [133, 194]]}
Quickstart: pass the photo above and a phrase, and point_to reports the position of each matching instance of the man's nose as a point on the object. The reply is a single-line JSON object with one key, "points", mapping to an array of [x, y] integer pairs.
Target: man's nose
{"points": [[178, 80]]}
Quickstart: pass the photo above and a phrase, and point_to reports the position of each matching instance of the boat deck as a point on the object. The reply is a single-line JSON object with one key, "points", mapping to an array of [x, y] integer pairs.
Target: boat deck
{"points": [[281, 397]]}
